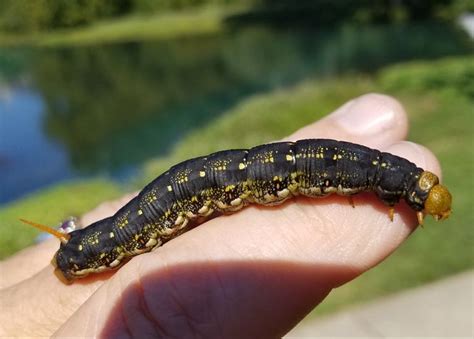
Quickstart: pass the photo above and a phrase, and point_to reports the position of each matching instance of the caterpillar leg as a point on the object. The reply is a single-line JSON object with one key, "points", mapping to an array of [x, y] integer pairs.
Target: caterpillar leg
{"points": [[420, 217], [391, 213]]}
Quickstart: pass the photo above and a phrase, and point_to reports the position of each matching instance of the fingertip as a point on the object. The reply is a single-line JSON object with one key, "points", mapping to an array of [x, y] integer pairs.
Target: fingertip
{"points": [[417, 154], [373, 119], [372, 114]]}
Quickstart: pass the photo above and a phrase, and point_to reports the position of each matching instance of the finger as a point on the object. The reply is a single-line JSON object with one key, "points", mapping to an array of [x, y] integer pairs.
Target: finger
{"points": [[374, 120], [27, 262], [37, 306], [106, 209], [31, 260], [240, 266], [417, 154]]}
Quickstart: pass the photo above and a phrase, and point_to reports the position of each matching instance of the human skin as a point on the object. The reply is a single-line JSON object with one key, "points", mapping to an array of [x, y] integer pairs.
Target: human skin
{"points": [[255, 273]]}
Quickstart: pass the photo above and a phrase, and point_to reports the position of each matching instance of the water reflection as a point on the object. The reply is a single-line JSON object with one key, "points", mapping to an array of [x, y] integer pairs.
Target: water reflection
{"points": [[113, 106], [27, 156]]}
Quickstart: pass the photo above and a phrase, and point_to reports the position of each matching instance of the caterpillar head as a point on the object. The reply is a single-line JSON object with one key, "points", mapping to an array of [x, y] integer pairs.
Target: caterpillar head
{"points": [[438, 199]]}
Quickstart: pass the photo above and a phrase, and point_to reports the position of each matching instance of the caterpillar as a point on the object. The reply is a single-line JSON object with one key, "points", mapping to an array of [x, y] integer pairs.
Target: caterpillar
{"points": [[226, 181]]}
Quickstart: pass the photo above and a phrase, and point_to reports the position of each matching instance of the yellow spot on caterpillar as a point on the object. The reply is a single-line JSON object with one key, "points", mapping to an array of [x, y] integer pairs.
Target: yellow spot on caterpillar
{"points": [[179, 220], [122, 220], [183, 180], [375, 162], [194, 198], [236, 202], [384, 164], [80, 248], [114, 263], [150, 243], [229, 188], [170, 188], [289, 157], [283, 193], [339, 156], [334, 157], [111, 235], [202, 174], [102, 255], [149, 197], [242, 166], [137, 236], [221, 205], [203, 210], [139, 212]]}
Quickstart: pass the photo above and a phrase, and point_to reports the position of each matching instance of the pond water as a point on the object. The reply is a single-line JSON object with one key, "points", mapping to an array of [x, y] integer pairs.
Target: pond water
{"points": [[104, 109]]}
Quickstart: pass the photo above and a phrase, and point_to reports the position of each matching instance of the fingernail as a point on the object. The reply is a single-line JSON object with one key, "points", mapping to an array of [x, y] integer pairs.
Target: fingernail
{"points": [[369, 114], [409, 151], [417, 154]]}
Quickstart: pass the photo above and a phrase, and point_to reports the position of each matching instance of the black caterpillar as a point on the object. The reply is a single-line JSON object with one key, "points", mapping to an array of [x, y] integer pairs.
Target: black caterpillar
{"points": [[226, 181]]}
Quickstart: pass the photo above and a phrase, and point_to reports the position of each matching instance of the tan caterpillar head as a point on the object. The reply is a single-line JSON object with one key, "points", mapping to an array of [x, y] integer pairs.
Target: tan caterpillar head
{"points": [[439, 200]]}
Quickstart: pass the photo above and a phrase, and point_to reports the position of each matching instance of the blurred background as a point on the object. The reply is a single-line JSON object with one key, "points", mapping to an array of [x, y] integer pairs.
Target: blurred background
{"points": [[98, 97]]}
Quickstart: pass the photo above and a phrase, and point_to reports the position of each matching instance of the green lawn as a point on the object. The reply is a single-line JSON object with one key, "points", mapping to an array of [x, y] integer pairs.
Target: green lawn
{"points": [[441, 116], [131, 28], [49, 206]]}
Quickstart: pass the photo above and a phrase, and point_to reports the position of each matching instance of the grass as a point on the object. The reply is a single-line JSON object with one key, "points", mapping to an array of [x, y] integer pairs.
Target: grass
{"points": [[441, 118], [49, 207], [131, 28]]}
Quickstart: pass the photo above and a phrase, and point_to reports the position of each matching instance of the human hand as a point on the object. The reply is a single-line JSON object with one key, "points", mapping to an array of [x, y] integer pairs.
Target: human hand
{"points": [[255, 273]]}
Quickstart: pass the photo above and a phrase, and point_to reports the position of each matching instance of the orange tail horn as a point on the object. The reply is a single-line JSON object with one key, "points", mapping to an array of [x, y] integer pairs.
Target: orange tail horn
{"points": [[64, 237]]}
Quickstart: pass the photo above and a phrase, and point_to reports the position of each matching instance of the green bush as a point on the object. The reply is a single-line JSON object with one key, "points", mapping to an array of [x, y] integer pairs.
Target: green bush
{"points": [[451, 73], [68, 13], [38, 15], [24, 15], [49, 206]]}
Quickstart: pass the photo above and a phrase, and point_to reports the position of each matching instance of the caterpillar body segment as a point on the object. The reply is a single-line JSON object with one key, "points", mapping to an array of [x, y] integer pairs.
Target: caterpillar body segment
{"points": [[227, 181]]}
